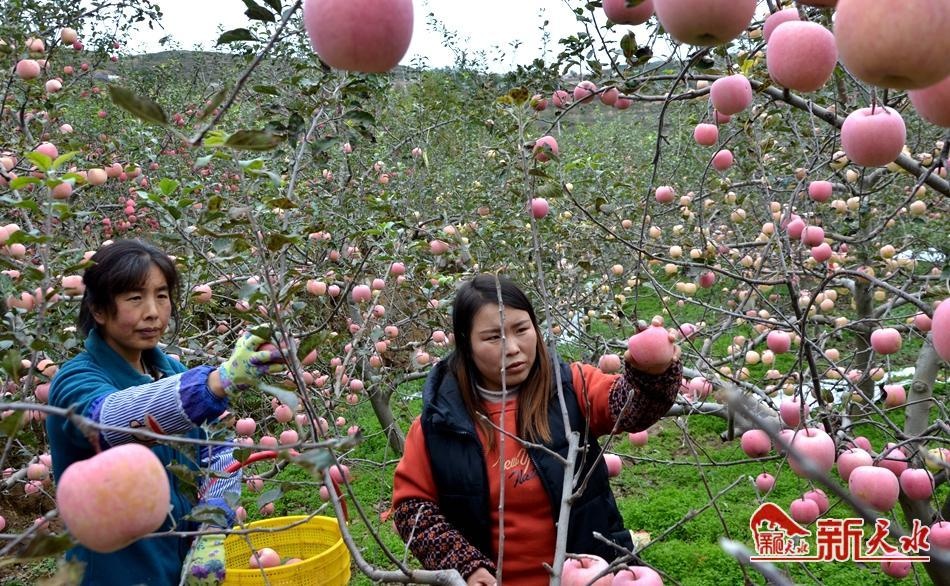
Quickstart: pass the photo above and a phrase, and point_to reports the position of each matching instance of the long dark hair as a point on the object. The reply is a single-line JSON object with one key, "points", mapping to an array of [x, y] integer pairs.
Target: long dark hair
{"points": [[119, 267], [535, 393]]}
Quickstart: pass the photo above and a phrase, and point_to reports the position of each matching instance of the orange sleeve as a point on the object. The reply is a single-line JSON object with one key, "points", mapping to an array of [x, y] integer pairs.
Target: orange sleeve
{"points": [[593, 387], [413, 478]]}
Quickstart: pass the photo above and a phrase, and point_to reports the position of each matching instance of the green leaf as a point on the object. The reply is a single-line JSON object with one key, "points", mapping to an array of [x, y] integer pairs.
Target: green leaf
{"points": [[276, 241], [44, 545], [628, 44], [10, 425], [201, 162], [211, 514], [282, 203], [140, 107], [168, 186], [314, 461], [64, 158], [286, 397], [255, 12], [269, 496], [235, 35], [266, 89], [361, 116], [23, 181], [42, 162], [215, 102], [253, 140], [187, 480]]}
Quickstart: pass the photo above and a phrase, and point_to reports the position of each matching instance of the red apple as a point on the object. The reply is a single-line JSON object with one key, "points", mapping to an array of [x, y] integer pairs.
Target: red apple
{"points": [[820, 191], [873, 137], [778, 342], [637, 576], [886, 341], [940, 330], [609, 96], [651, 349], [893, 43], [777, 18], [850, 459], [639, 438], [245, 426], [791, 412], [756, 443], [812, 235], [895, 395], [933, 102], [819, 497], [722, 160], [127, 484], [544, 147], [707, 279], [795, 228], [896, 568], [731, 95], [370, 36], [581, 570], [804, 511], [940, 535], [917, 483], [706, 134], [264, 558], [801, 56], [614, 464], [876, 486], [28, 68], [664, 194], [895, 460], [539, 207], [561, 99], [584, 92], [704, 22], [764, 482], [610, 363], [628, 11], [815, 446]]}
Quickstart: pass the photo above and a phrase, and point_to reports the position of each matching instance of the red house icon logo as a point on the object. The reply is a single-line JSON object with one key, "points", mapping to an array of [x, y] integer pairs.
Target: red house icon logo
{"points": [[769, 517]]}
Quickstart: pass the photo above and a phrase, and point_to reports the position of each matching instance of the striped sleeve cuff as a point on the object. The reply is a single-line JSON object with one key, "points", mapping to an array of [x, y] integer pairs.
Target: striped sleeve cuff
{"points": [[155, 406], [216, 459], [199, 403]]}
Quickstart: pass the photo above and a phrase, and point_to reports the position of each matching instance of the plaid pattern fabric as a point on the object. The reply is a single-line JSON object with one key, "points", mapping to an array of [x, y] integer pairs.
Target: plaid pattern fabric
{"points": [[436, 543]]}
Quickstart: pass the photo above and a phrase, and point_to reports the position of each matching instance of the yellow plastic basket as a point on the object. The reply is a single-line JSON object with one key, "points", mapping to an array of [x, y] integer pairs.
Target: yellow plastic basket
{"points": [[326, 561]]}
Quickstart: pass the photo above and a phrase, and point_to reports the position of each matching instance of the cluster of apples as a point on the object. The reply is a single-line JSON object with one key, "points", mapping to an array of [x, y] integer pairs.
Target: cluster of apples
{"points": [[583, 570], [266, 557]]}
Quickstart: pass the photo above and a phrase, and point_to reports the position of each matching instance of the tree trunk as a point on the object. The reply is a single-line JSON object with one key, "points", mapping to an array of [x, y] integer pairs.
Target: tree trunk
{"points": [[920, 399], [384, 414]]}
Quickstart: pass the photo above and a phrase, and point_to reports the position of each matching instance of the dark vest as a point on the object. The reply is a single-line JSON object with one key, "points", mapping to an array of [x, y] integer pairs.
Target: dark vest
{"points": [[461, 477]]}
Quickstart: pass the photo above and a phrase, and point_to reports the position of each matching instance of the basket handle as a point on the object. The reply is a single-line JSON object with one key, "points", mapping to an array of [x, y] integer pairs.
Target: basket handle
{"points": [[270, 455]]}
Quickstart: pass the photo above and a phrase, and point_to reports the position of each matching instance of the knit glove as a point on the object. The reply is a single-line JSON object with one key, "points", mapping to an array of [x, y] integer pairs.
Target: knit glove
{"points": [[247, 364]]}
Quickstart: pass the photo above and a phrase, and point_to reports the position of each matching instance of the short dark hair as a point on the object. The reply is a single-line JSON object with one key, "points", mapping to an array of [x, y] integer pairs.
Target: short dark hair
{"points": [[119, 267], [536, 391]]}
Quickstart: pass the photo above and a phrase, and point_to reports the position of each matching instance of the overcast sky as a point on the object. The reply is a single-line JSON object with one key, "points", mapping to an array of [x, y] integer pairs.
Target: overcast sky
{"points": [[481, 25]]}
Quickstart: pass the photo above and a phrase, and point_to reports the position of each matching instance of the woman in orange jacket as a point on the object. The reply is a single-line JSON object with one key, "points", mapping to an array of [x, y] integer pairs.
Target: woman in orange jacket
{"points": [[491, 424]]}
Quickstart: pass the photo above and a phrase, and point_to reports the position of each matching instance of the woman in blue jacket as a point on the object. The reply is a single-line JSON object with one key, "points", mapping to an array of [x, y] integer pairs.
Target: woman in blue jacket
{"points": [[123, 379]]}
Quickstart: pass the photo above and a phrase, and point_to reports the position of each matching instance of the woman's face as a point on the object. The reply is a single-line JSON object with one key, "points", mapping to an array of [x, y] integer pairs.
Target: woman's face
{"points": [[521, 346], [140, 318]]}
